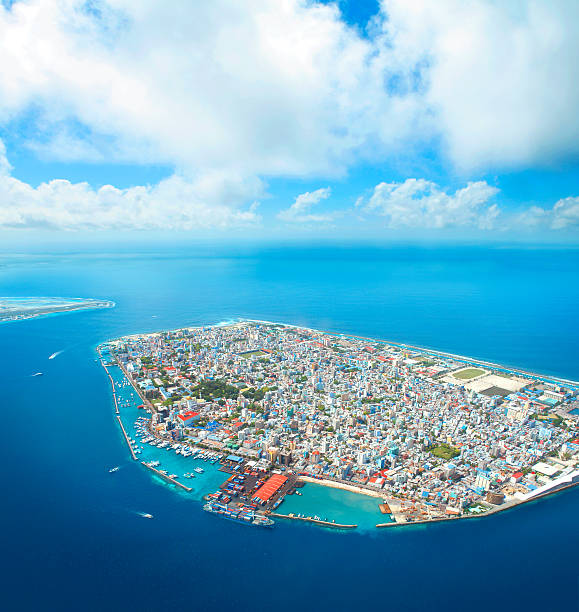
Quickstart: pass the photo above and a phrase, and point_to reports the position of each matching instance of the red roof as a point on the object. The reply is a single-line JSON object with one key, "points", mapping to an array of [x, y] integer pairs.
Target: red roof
{"points": [[271, 486], [187, 416]]}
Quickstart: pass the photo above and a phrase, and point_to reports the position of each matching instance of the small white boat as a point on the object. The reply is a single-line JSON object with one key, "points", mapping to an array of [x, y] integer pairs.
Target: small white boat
{"points": [[146, 515], [114, 469], [37, 374]]}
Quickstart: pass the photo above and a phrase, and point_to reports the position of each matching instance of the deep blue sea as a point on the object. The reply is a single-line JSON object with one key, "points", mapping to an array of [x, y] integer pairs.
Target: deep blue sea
{"points": [[71, 536]]}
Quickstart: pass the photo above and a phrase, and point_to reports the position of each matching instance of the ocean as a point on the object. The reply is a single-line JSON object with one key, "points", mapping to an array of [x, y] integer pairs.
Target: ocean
{"points": [[72, 537]]}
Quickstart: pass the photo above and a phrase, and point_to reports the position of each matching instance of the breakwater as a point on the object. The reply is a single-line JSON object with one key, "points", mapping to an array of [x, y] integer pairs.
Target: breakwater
{"points": [[309, 519], [117, 412], [166, 477], [497, 510], [126, 437]]}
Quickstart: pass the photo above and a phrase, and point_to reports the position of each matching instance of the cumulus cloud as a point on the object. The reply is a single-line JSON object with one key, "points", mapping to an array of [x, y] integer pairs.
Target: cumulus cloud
{"points": [[500, 77], [231, 93], [262, 87], [173, 204], [299, 211], [420, 203], [563, 216], [285, 87]]}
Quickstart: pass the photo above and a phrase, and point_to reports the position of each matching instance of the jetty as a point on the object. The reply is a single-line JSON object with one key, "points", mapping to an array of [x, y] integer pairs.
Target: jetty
{"points": [[166, 477], [126, 437], [310, 519]]}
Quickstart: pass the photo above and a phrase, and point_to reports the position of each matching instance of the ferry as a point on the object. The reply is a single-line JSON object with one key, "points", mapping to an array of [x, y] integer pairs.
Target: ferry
{"points": [[239, 516]]}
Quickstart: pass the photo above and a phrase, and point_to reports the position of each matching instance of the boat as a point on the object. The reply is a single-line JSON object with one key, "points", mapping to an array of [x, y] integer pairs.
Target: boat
{"points": [[199, 470], [262, 521], [36, 374], [114, 469], [145, 515], [238, 516]]}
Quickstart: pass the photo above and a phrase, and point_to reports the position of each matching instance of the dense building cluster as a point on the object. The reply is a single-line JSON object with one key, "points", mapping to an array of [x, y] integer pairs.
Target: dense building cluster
{"points": [[435, 434]]}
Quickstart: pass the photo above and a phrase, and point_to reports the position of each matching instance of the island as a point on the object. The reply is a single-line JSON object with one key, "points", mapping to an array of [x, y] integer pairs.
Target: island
{"points": [[431, 435], [17, 309]]}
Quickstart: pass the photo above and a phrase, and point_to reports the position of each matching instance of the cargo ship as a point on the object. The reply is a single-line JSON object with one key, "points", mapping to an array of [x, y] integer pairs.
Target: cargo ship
{"points": [[238, 515]]}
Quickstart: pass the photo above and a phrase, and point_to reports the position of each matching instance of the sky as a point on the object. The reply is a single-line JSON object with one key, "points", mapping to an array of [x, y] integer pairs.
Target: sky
{"points": [[289, 119]]}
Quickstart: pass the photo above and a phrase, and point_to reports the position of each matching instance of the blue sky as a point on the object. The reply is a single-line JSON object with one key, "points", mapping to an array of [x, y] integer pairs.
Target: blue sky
{"points": [[289, 120]]}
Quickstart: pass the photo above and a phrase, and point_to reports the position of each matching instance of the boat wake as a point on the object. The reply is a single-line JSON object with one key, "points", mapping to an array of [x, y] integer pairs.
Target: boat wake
{"points": [[36, 374]]}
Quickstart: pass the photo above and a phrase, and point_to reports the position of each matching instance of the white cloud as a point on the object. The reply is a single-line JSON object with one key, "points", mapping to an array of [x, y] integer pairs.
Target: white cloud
{"points": [[263, 87], [285, 87], [299, 211], [500, 77], [419, 203], [563, 216], [172, 204], [230, 93]]}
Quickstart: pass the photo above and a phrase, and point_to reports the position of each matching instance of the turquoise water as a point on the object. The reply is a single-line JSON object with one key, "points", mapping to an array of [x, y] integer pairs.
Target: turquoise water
{"points": [[342, 506], [72, 538], [201, 484]]}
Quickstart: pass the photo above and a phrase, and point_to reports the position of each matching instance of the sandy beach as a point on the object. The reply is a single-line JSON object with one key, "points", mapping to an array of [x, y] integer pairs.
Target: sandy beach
{"points": [[346, 487]]}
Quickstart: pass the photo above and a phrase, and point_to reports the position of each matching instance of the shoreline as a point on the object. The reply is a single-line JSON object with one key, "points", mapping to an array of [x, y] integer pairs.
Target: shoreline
{"points": [[344, 486], [361, 489], [402, 345], [37, 311]]}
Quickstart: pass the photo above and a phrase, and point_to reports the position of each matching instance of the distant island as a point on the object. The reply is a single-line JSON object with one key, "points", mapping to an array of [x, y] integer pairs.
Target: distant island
{"points": [[435, 436], [18, 309]]}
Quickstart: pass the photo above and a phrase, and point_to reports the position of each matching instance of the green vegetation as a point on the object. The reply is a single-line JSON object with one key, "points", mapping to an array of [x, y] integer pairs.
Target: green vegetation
{"points": [[445, 451], [251, 354], [211, 389], [468, 373], [254, 394]]}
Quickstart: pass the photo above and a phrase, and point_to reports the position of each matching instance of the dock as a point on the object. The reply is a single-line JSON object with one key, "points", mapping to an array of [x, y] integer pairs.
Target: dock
{"points": [[167, 478], [126, 437], [309, 519]]}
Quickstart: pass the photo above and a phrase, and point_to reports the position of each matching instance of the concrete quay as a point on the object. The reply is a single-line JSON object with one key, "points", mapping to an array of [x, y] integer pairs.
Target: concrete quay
{"points": [[309, 519]]}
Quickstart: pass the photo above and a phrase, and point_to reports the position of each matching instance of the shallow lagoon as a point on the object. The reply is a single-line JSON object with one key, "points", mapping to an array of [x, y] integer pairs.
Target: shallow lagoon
{"points": [[345, 507]]}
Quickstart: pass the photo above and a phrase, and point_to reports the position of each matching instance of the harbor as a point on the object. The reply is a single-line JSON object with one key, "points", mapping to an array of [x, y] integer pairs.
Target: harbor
{"points": [[245, 484], [314, 520], [232, 479]]}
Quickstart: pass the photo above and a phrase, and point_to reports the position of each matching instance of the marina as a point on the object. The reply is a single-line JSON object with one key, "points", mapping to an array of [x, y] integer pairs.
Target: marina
{"points": [[162, 464], [260, 482]]}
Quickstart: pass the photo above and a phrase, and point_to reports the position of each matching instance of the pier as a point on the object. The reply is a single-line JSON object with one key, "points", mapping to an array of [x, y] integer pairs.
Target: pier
{"points": [[117, 412], [126, 438], [309, 519], [167, 478]]}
